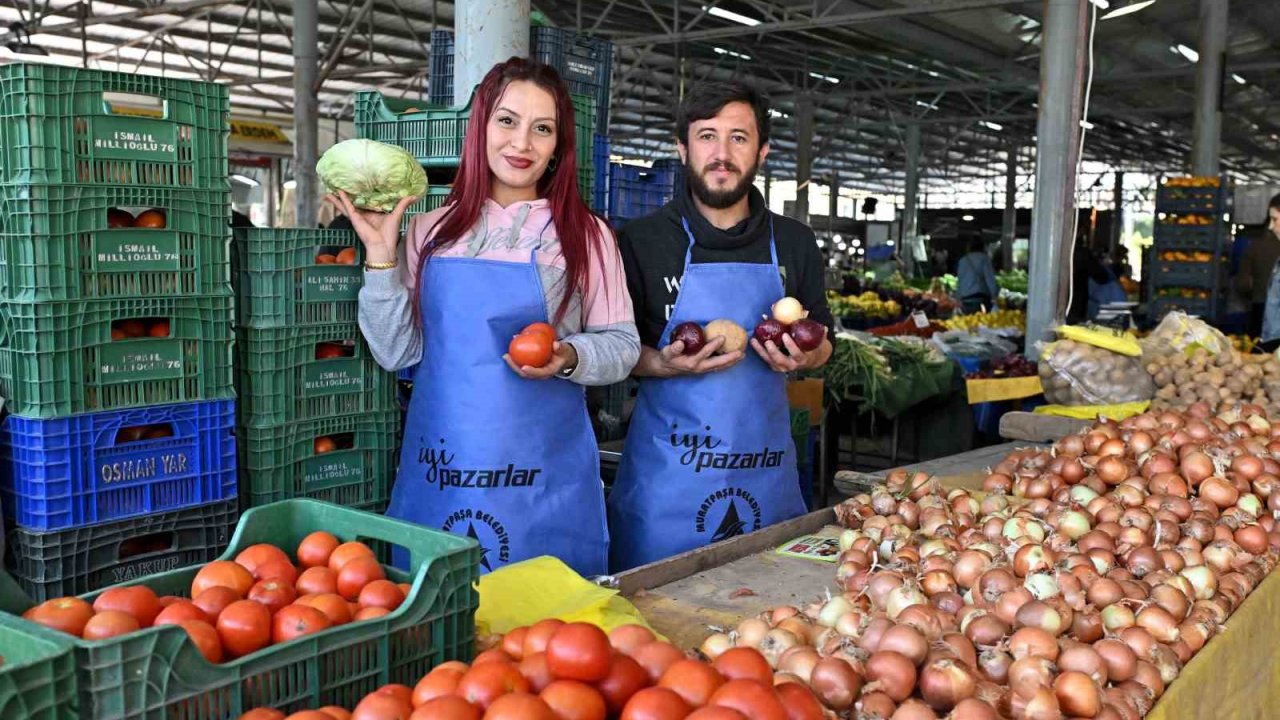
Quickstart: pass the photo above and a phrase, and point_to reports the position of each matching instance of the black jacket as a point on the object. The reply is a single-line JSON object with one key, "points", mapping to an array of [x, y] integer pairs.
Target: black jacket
{"points": [[653, 249]]}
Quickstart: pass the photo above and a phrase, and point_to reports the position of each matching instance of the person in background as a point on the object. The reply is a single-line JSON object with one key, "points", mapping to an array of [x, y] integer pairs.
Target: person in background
{"points": [[709, 453], [976, 278], [496, 450], [1256, 273], [1270, 332], [1104, 285]]}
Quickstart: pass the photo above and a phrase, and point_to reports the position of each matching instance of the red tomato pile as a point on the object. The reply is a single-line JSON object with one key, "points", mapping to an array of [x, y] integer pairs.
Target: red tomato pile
{"points": [[239, 607], [574, 671]]}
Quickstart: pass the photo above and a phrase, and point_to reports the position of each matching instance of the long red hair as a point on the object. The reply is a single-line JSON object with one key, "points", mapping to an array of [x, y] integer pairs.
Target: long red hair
{"points": [[577, 226]]}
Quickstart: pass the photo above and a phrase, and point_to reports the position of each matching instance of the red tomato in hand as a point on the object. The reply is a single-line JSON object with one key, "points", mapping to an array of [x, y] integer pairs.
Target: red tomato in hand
{"points": [[530, 350], [540, 328], [579, 651]]}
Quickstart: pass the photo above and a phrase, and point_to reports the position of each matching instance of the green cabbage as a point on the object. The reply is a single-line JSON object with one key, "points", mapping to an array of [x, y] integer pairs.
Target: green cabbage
{"points": [[375, 175]]}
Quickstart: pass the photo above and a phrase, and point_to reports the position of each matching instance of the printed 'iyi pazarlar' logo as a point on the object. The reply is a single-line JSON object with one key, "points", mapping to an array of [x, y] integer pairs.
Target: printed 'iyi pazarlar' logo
{"points": [[440, 471], [702, 453]]}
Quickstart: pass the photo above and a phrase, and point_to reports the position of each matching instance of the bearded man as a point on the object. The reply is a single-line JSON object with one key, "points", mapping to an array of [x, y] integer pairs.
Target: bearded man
{"points": [[708, 453]]}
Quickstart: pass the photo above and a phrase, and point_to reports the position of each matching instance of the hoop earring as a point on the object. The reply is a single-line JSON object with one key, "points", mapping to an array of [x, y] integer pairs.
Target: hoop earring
{"points": [[551, 165]]}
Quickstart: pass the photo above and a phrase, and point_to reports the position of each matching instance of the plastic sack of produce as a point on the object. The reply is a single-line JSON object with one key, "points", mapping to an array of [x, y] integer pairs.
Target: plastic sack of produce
{"points": [[1089, 366], [1179, 331]]}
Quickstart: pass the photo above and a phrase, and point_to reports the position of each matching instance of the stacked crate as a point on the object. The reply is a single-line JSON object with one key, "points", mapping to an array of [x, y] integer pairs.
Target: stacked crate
{"points": [[636, 191], [586, 65], [1191, 249], [118, 457], [317, 417]]}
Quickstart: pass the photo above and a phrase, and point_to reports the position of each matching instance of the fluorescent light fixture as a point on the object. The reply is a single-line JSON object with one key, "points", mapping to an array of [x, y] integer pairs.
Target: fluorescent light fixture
{"points": [[837, 238], [290, 184], [967, 218], [828, 78], [994, 126], [731, 53], [890, 243], [821, 243], [857, 242], [1185, 52], [924, 104], [729, 15], [1239, 80], [777, 114], [245, 180], [1128, 9], [1102, 4], [1086, 124]]}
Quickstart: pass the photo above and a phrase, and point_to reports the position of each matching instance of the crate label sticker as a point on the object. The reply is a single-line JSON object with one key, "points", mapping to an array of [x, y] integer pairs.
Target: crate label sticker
{"points": [[134, 360], [136, 251], [325, 283], [585, 70], [333, 469], [133, 571], [146, 464], [130, 138], [332, 377]]}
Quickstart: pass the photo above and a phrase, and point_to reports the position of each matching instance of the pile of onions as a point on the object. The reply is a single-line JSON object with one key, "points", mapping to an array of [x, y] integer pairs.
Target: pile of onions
{"points": [[1078, 587]]}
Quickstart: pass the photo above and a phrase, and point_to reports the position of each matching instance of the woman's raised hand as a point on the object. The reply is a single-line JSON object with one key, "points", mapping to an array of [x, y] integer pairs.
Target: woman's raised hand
{"points": [[379, 231]]}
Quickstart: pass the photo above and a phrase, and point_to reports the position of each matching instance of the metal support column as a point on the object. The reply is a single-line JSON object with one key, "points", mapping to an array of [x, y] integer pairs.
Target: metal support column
{"points": [[1009, 228], [488, 32], [804, 156], [833, 203], [306, 111], [1117, 213], [911, 190], [1209, 71], [1062, 64], [768, 185]]}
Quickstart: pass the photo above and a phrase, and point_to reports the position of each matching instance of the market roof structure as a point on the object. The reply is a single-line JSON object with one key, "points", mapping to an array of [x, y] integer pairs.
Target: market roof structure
{"points": [[965, 71]]}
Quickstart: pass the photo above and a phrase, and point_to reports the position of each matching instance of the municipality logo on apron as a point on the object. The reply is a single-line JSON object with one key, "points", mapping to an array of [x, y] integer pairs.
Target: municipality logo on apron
{"points": [[440, 471], [486, 530], [701, 453], [728, 513]]}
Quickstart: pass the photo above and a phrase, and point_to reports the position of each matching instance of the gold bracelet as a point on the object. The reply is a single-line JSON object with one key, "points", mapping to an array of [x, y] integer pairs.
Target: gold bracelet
{"points": [[381, 266]]}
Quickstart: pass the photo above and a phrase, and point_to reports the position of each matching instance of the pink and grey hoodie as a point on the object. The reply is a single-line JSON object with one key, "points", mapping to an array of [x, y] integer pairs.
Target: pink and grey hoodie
{"points": [[600, 325]]}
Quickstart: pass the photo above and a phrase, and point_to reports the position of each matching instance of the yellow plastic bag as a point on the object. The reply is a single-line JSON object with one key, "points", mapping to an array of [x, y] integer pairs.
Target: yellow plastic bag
{"points": [[1124, 343], [1000, 389], [544, 587], [1119, 411]]}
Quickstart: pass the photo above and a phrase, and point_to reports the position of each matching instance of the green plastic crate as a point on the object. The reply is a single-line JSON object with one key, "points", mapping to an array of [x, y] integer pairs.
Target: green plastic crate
{"points": [[37, 677], [434, 135], [62, 125], [280, 463], [55, 243], [434, 199], [279, 379], [58, 358], [280, 284], [158, 674]]}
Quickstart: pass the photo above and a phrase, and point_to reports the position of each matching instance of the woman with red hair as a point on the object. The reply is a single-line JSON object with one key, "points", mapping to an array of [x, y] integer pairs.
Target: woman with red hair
{"points": [[502, 452]]}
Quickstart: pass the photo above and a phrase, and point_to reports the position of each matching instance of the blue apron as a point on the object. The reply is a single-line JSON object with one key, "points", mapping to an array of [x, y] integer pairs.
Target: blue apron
{"points": [[508, 461], [707, 457]]}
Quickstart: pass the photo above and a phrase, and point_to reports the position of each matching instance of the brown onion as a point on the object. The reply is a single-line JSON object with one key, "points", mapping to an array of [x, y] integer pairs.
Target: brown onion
{"points": [[1119, 658], [943, 683], [836, 683], [1030, 674], [1078, 695], [891, 673], [907, 641]]}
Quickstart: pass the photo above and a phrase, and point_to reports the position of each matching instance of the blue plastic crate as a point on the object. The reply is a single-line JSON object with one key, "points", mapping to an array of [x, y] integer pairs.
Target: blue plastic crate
{"points": [[82, 470], [1200, 200], [600, 158], [1168, 273], [1171, 236], [440, 82], [584, 62], [636, 191]]}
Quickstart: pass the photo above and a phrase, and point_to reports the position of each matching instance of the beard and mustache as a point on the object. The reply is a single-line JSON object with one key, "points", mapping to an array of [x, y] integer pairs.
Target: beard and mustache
{"points": [[720, 199]]}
